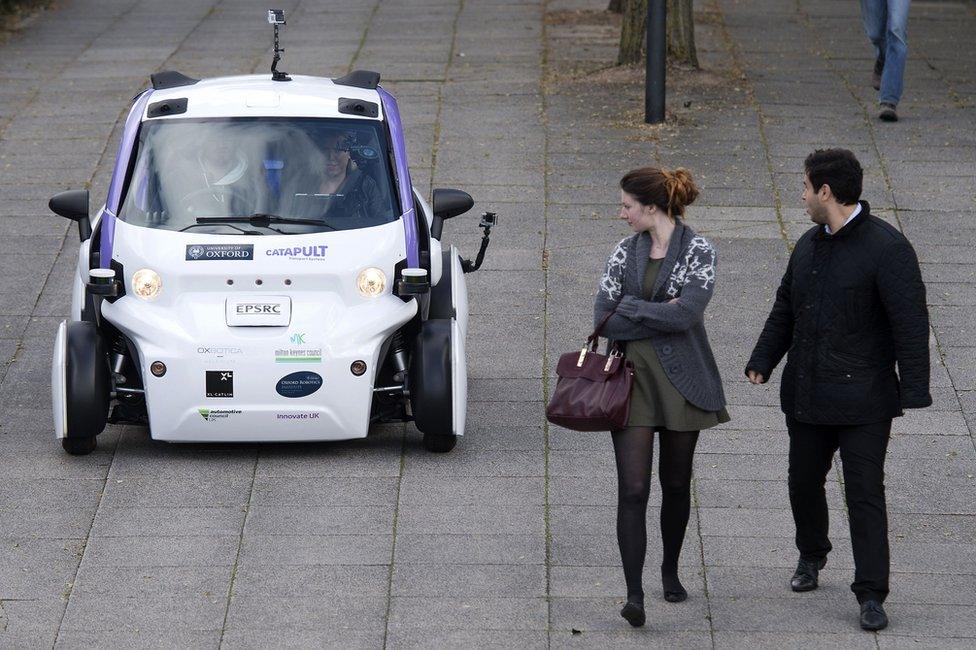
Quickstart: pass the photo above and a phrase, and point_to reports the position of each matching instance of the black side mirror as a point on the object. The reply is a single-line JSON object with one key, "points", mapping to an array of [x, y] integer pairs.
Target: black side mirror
{"points": [[73, 205], [447, 204]]}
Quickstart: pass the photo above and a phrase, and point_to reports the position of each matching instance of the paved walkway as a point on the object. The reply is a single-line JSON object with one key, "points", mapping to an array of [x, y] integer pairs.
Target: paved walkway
{"points": [[508, 541]]}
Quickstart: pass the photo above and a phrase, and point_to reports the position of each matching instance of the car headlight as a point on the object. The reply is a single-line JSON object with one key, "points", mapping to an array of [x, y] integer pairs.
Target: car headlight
{"points": [[371, 282], [146, 284]]}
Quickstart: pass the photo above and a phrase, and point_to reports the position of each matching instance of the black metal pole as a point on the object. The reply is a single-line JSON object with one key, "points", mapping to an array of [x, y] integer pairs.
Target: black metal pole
{"points": [[657, 53]]}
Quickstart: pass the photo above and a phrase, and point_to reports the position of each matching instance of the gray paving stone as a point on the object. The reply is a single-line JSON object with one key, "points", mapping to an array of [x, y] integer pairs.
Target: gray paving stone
{"points": [[374, 459], [134, 583], [286, 637], [144, 492], [475, 462], [464, 519], [746, 522], [189, 551], [130, 521], [270, 491], [30, 622], [321, 582], [754, 494], [475, 613], [34, 569], [311, 550], [584, 520], [303, 612], [469, 581], [62, 508], [493, 437], [434, 638], [139, 460], [793, 640], [766, 552], [418, 489], [319, 520], [454, 548], [639, 638], [145, 638]]}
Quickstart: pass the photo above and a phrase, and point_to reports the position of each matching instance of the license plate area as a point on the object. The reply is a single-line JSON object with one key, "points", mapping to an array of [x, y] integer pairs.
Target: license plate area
{"points": [[258, 311]]}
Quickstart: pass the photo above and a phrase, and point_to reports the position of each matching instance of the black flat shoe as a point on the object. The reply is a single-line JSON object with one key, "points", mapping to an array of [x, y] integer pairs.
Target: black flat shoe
{"points": [[873, 617], [676, 596], [634, 613], [806, 574], [674, 591]]}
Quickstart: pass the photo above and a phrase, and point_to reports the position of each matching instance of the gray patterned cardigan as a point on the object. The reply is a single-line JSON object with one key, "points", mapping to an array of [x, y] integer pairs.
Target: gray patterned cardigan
{"points": [[676, 329]]}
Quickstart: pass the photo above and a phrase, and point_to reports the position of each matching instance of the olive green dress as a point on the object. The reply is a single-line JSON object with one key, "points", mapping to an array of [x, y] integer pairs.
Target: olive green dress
{"points": [[654, 401]]}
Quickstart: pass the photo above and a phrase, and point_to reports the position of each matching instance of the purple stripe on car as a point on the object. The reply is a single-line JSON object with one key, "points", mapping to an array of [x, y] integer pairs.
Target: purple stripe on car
{"points": [[404, 187], [118, 177]]}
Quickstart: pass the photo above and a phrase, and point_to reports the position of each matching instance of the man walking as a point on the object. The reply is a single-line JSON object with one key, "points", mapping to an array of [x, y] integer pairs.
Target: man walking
{"points": [[886, 23], [850, 306]]}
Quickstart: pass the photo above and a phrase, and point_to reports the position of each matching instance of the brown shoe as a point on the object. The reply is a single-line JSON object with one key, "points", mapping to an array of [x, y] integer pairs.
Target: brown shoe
{"points": [[888, 113], [876, 74]]}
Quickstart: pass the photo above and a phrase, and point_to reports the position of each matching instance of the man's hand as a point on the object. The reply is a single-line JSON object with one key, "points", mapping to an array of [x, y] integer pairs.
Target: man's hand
{"points": [[755, 377]]}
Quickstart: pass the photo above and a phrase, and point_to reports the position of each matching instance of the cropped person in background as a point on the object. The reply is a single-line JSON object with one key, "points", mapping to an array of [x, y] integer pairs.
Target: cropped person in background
{"points": [[886, 24]]}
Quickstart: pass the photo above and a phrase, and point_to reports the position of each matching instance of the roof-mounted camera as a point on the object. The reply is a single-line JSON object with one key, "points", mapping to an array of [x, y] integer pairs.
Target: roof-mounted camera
{"points": [[277, 17]]}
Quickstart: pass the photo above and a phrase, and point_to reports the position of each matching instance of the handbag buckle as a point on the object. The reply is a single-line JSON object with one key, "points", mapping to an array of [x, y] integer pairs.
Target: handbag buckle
{"points": [[582, 356], [614, 354]]}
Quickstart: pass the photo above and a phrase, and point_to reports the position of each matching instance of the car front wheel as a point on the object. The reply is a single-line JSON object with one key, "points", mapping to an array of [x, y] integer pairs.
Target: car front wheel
{"points": [[79, 446]]}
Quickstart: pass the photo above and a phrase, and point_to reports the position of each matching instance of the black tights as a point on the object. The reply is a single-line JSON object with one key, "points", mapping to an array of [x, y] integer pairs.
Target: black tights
{"points": [[634, 449]]}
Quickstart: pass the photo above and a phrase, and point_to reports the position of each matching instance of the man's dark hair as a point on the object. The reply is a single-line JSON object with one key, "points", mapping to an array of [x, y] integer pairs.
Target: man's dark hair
{"points": [[837, 168]]}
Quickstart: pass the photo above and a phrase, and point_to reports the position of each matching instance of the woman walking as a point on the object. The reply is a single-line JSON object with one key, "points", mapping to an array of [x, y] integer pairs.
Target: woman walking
{"points": [[657, 283]]}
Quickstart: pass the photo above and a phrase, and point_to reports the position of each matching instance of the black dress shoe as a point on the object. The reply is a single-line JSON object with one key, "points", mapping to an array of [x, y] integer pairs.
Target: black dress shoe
{"points": [[805, 576], [634, 613], [873, 617]]}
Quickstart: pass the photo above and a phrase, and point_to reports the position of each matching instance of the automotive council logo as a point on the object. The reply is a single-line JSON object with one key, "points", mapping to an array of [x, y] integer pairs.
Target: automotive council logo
{"points": [[212, 415], [232, 252]]}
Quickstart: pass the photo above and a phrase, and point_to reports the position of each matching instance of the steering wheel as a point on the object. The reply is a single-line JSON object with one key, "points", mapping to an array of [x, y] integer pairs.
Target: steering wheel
{"points": [[225, 195]]}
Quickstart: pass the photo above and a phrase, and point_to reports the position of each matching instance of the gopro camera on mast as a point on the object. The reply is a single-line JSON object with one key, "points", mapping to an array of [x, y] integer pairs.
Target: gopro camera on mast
{"points": [[277, 17], [488, 220]]}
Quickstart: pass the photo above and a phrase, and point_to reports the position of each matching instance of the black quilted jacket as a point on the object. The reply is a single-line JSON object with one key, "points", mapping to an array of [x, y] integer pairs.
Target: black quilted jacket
{"points": [[850, 305]]}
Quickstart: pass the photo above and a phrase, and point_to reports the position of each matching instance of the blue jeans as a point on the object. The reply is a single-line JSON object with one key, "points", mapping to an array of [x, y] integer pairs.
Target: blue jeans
{"points": [[886, 23]]}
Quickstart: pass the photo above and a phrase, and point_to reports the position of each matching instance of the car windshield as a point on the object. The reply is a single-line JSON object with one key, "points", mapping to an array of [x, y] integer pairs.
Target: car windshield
{"points": [[326, 174]]}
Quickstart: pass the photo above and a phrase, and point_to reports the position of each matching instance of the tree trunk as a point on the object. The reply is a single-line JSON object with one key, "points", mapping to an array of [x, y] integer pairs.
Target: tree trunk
{"points": [[616, 6], [632, 31], [681, 32]]}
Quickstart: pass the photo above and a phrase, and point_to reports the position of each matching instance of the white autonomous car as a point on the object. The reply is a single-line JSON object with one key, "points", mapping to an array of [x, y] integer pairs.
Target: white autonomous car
{"points": [[263, 270]]}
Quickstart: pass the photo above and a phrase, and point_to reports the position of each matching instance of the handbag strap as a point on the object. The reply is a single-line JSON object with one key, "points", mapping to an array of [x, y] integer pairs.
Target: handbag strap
{"points": [[593, 339]]}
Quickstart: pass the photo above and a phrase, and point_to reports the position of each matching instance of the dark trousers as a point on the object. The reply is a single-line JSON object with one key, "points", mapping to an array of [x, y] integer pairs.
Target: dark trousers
{"points": [[862, 454]]}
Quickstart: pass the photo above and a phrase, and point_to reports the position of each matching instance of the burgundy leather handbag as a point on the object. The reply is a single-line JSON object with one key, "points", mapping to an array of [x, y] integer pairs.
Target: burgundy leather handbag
{"points": [[593, 390]]}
